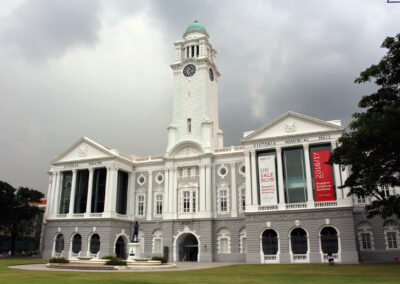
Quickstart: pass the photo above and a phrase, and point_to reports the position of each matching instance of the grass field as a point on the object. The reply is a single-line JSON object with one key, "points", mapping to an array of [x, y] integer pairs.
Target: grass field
{"points": [[298, 273]]}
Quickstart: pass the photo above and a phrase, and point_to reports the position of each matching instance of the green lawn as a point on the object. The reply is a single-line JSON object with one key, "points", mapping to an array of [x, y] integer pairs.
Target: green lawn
{"points": [[298, 273]]}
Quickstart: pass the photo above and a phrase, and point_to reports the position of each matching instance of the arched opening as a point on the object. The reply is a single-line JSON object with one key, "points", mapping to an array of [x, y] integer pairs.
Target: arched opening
{"points": [[329, 240], [270, 242], [94, 244], [59, 246], [76, 244], [188, 247], [298, 241], [120, 248]]}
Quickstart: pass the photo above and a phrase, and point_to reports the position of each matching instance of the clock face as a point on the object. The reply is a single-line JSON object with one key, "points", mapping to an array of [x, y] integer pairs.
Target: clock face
{"points": [[211, 74], [189, 70]]}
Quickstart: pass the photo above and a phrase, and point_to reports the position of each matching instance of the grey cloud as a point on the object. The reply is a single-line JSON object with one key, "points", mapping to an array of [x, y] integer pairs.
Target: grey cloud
{"points": [[47, 29]]}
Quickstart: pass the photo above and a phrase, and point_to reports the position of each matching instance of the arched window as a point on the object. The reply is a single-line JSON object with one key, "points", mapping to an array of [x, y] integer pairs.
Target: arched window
{"points": [[329, 240], [270, 242], [298, 241], [76, 243], [224, 241], [94, 244], [243, 240], [365, 236], [391, 231], [157, 242], [59, 247]]}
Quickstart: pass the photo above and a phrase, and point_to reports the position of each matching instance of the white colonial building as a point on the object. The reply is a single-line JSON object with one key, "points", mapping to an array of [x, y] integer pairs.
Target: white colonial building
{"points": [[270, 200]]}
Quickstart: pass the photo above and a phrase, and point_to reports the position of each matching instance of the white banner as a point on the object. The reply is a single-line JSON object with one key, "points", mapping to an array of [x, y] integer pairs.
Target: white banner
{"points": [[267, 179]]}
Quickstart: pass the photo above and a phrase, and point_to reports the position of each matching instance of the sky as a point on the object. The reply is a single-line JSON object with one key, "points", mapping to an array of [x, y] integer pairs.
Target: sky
{"points": [[100, 69]]}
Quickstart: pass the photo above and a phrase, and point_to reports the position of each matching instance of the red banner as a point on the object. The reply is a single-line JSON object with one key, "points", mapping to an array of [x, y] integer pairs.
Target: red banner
{"points": [[323, 182]]}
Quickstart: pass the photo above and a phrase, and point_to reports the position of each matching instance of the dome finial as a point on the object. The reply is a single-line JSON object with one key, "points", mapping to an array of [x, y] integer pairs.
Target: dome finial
{"points": [[195, 27]]}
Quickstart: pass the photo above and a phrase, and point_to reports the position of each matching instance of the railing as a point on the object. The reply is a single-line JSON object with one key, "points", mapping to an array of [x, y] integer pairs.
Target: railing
{"points": [[61, 215], [96, 214], [267, 207], [335, 256], [78, 215], [296, 205], [325, 204], [300, 258], [270, 258]]}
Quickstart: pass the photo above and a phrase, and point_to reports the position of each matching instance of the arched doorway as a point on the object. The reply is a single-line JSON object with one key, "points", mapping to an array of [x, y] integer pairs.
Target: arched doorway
{"points": [[270, 242], [120, 248], [329, 240], [188, 247]]}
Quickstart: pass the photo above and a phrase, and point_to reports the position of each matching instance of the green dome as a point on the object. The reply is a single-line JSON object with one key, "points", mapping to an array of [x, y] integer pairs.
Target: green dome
{"points": [[196, 27]]}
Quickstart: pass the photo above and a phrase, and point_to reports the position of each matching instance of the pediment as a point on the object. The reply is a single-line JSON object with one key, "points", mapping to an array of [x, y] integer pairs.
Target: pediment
{"points": [[289, 124], [186, 149], [187, 152], [83, 149]]}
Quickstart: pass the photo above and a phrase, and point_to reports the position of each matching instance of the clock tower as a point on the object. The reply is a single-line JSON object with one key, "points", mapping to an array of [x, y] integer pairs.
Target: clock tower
{"points": [[195, 107]]}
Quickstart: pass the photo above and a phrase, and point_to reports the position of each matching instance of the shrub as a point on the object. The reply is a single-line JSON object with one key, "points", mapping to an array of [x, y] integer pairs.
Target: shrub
{"points": [[161, 258], [58, 260], [84, 258], [109, 257], [116, 261]]}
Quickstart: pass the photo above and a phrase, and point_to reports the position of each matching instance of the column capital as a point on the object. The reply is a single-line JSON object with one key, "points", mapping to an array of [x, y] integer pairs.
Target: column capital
{"points": [[91, 170], [150, 173], [233, 164], [306, 146], [278, 149], [74, 171], [333, 144]]}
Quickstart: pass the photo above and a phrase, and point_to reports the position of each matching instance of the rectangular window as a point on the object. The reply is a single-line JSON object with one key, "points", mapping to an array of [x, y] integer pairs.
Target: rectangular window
{"points": [[243, 199], [294, 175], [366, 240], [186, 201], [66, 180], [159, 203], [193, 171], [223, 200], [197, 48], [192, 50], [223, 245], [140, 209], [392, 240], [99, 190], [81, 190], [361, 199], [157, 245], [122, 192], [189, 125], [187, 52], [194, 201]]}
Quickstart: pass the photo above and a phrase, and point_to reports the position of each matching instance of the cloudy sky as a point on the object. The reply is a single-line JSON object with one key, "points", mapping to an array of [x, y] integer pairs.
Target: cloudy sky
{"points": [[101, 69]]}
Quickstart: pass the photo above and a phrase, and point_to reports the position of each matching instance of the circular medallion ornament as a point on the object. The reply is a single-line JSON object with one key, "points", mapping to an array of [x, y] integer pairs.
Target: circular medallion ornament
{"points": [[189, 70], [211, 74]]}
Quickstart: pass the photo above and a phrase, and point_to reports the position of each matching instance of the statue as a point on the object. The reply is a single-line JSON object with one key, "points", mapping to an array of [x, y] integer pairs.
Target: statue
{"points": [[135, 232]]}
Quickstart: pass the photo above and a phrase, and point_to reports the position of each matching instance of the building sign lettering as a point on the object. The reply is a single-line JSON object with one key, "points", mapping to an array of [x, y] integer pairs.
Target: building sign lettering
{"points": [[267, 179], [95, 163], [323, 182], [71, 165]]}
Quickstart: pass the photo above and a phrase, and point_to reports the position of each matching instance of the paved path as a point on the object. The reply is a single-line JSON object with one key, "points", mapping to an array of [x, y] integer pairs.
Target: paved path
{"points": [[179, 267]]}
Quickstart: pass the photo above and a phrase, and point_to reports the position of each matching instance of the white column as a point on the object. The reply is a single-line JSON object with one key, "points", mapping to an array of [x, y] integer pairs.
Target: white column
{"points": [[336, 171], [281, 185], [131, 196], [174, 193], [57, 190], [202, 185], [170, 194], [248, 179], [208, 188], [109, 199], [72, 195], [113, 187], [234, 212], [149, 195], [254, 180], [306, 148], [166, 192], [90, 191], [50, 195]]}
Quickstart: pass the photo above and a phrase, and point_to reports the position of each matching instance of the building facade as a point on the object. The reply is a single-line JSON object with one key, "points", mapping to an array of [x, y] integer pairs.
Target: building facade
{"points": [[270, 200]]}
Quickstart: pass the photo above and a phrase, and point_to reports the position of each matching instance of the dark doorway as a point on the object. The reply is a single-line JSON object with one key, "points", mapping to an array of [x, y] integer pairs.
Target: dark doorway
{"points": [[120, 248], [188, 248]]}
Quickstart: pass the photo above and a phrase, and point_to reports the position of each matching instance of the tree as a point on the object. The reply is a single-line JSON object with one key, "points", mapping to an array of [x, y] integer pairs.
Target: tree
{"points": [[372, 146], [17, 215]]}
